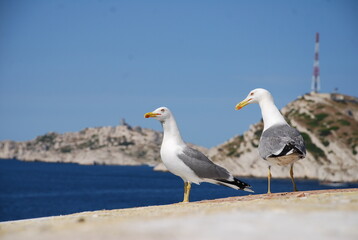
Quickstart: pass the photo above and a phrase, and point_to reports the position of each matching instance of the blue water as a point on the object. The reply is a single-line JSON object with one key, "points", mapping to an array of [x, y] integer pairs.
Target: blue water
{"points": [[38, 189]]}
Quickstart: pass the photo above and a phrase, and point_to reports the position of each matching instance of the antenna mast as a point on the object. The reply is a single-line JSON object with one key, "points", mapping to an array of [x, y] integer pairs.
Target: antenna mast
{"points": [[315, 77]]}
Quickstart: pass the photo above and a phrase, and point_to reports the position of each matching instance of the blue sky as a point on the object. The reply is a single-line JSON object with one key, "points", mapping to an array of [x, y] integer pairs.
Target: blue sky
{"points": [[68, 65]]}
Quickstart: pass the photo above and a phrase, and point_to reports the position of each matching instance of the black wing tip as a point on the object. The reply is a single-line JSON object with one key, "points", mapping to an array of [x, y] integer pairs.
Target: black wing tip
{"points": [[288, 147], [243, 186], [240, 184]]}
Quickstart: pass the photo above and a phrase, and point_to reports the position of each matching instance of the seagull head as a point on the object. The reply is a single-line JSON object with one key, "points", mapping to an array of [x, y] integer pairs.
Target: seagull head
{"points": [[255, 96], [161, 114]]}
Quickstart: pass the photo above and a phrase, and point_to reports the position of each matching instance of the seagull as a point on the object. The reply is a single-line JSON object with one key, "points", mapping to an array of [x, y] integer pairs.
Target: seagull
{"points": [[189, 164], [280, 143]]}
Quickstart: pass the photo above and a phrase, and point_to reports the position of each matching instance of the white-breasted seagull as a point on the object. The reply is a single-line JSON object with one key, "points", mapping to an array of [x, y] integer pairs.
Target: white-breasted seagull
{"points": [[189, 164], [280, 143]]}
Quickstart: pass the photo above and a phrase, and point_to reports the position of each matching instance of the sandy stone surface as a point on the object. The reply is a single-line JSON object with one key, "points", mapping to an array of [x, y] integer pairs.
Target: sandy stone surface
{"points": [[326, 214]]}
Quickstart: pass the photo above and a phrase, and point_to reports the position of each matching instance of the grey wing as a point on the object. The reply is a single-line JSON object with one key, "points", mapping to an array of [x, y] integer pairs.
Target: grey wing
{"points": [[277, 138], [201, 165]]}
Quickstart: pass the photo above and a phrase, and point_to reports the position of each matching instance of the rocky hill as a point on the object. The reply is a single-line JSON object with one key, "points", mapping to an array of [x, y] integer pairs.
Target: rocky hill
{"points": [[329, 126], [120, 145], [328, 123]]}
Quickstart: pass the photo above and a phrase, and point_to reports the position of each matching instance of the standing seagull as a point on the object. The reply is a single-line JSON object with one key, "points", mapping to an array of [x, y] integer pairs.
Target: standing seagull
{"points": [[280, 143], [188, 163]]}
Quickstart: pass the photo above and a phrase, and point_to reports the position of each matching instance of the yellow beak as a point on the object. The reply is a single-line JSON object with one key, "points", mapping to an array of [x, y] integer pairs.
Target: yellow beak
{"points": [[242, 104], [151, 114]]}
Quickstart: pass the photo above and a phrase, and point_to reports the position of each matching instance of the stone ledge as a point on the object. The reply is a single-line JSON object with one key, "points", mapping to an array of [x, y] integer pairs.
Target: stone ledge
{"points": [[324, 214]]}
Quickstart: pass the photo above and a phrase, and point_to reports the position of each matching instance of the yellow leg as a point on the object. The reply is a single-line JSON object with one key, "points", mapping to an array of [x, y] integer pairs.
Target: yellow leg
{"points": [[187, 187], [269, 180], [292, 179]]}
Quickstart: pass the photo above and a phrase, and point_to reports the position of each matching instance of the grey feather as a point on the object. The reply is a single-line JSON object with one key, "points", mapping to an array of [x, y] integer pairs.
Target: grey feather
{"points": [[277, 137], [201, 165]]}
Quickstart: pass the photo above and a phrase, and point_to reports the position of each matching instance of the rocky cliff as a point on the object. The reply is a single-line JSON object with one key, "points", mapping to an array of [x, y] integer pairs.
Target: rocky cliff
{"points": [[329, 126]]}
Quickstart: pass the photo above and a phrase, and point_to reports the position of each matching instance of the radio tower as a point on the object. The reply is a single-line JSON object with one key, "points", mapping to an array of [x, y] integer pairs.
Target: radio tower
{"points": [[315, 76]]}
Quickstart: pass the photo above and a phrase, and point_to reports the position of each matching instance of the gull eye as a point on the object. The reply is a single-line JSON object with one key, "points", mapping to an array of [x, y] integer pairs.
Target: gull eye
{"points": [[162, 110], [251, 94]]}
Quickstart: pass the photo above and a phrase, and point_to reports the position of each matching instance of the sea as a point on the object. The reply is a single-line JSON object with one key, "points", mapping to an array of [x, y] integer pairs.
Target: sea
{"points": [[40, 189]]}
